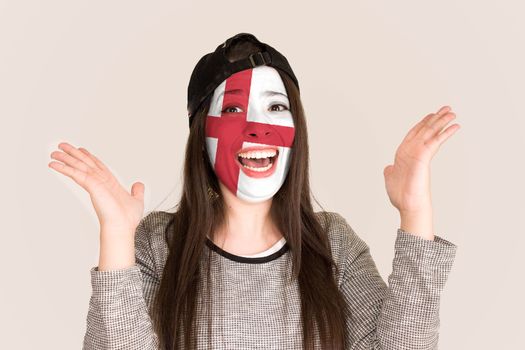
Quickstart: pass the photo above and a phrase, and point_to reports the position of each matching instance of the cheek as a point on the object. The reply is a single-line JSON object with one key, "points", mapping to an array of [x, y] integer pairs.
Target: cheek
{"points": [[290, 121], [211, 149], [282, 118]]}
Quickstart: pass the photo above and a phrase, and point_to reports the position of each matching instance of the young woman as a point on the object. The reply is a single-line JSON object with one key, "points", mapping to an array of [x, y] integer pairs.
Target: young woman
{"points": [[245, 262]]}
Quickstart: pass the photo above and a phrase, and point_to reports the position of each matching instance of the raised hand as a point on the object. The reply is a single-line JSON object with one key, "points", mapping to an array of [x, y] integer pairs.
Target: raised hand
{"points": [[118, 210], [408, 179]]}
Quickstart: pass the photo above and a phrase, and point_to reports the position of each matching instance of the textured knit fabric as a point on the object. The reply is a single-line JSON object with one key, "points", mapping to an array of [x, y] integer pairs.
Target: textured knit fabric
{"points": [[256, 307]]}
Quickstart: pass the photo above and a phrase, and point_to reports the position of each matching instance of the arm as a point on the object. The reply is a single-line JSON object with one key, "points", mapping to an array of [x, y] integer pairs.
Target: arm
{"points": [[118, 309], [405, 314]]}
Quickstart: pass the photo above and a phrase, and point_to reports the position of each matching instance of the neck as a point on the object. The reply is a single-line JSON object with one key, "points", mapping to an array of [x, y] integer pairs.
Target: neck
{"points": [[247, 224]]}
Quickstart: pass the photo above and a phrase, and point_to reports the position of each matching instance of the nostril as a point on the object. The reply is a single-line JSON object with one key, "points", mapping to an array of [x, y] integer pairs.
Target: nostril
{"points": [[254, 134]]}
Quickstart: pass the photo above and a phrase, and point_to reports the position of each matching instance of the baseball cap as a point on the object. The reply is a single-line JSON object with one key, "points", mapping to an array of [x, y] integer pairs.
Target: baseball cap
{"points": [[213, 68]]}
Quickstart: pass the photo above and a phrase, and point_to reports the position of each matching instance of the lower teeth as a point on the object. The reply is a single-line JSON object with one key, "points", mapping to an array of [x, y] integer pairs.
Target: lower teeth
{"points": [[259, 169]]}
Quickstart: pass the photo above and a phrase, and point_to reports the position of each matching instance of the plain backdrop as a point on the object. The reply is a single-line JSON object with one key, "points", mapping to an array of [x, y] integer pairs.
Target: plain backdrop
{"points": [[111, 76]]}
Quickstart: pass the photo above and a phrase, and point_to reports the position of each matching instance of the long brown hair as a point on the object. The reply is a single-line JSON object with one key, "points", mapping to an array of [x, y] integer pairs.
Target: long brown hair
{"points": [[201, 210]]}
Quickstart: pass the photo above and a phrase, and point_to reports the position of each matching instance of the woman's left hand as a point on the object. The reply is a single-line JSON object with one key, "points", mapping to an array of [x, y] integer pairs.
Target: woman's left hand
{"points": [[408, 179]]}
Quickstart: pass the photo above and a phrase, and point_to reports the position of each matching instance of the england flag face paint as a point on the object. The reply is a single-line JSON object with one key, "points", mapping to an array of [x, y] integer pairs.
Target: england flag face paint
{"points": [[249, 133]]}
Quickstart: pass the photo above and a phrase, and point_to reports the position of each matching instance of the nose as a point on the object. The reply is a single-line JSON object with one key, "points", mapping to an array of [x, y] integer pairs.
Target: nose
{"points": [[254, 134], [257, 131]]}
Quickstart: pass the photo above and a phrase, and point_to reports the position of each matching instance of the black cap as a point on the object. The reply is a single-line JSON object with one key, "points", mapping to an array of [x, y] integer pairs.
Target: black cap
{"points": [[214, 67]]}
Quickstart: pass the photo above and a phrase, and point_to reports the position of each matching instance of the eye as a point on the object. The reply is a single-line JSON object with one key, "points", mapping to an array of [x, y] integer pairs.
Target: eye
{"points": [[231, 109], [278, 110]]}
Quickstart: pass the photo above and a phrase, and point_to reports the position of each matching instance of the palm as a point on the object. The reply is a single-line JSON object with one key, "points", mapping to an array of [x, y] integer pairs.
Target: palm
{"points": [[407, 181], [116, 208]]}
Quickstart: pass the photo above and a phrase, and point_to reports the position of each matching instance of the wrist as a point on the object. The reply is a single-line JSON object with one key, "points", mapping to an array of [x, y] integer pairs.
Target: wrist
{"points": [[117, 251], [419, 223]]}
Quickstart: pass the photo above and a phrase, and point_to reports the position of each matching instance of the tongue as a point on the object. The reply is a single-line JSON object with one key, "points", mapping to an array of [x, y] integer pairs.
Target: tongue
{"points": [[255, 163]]}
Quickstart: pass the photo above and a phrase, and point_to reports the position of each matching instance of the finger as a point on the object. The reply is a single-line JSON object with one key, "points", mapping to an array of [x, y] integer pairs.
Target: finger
{"points": [[437, 126], [95, 159], [444, 110], [412, 132], [441, 112], [427, 120], [77, 175], [137, 190], [70, 161], [424, 131], [66, 147], [436, 141], [444, 120]]}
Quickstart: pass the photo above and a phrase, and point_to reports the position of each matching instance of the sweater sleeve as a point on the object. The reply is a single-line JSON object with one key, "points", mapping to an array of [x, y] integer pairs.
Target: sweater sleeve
{"points": [[405, 314], [118, 314]]}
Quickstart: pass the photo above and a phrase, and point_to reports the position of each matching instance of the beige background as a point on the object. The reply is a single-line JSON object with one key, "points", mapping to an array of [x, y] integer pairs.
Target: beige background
{"points": [[111, 76]]}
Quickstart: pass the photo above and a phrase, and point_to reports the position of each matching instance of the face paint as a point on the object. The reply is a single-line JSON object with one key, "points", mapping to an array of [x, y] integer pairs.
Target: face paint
{"points": [[249, 133]]}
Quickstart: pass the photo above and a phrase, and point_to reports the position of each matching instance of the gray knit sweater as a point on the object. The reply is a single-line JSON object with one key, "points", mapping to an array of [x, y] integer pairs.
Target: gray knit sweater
{"points": [[255, 307]]}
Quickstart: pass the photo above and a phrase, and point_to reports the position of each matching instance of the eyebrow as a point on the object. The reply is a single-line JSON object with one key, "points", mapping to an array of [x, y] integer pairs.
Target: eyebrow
{"points": [[230, 92], [273, 93], [240, 91]]}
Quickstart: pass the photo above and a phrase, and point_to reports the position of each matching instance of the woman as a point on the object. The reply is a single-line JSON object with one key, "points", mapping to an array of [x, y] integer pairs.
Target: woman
{"points": [[245, 262]]}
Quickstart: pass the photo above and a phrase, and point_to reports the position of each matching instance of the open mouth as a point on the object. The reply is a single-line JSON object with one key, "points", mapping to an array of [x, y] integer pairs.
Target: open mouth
{"points": [[258, 161]]}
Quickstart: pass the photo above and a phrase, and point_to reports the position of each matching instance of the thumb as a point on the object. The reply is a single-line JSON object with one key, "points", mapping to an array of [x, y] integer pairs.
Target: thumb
{"points": [[137, 190], [387, 170]]}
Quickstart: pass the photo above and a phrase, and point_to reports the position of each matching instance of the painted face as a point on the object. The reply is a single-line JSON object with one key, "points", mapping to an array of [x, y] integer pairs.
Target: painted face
{"points": [[249, 133]]}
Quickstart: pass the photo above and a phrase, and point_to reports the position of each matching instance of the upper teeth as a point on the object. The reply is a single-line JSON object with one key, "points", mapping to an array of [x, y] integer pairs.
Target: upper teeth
{"points": [[258, 154]]}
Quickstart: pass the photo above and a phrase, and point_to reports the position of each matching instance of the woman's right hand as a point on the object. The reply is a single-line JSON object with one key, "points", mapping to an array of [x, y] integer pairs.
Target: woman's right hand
{"points": [[117, 210]]}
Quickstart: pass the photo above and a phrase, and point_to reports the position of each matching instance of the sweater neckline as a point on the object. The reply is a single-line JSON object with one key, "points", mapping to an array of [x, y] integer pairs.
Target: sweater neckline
{"points": [[244, 259], [268, 251]]}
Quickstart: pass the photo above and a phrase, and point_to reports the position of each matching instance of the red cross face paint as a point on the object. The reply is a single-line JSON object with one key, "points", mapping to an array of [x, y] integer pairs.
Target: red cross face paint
{"points": [[250, 132]]}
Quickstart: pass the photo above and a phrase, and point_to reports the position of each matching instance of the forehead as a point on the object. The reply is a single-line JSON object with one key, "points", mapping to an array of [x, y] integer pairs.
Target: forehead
{"points": [[263, 78]]}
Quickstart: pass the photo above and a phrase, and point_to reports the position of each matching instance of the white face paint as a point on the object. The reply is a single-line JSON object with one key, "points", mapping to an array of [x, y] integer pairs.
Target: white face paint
{"points": [[250, 132]]}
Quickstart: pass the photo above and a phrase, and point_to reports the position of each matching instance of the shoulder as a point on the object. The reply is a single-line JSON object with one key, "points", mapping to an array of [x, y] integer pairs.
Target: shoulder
{"points": [[150, 236], [337, 227], [345, 243], [332, 222], [156, 221]]}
